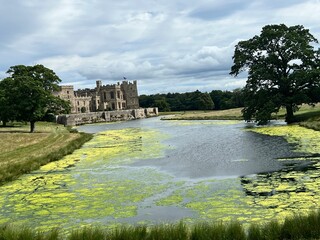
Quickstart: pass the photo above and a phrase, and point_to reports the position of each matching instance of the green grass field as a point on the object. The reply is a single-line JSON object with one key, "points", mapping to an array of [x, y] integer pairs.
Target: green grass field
{"points": [[306, 113], [230, 114], [22, 152]]}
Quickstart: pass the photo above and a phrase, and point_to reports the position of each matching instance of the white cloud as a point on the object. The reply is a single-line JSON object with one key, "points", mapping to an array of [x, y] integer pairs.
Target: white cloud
{"points": [[166, 45]]}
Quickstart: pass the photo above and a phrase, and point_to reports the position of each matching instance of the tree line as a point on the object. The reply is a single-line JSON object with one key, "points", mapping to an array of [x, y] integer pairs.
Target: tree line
{"points": [[215, 100]]}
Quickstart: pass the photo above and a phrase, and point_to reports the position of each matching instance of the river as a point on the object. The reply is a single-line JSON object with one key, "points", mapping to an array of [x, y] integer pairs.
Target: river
{"points": [[151, 171]]}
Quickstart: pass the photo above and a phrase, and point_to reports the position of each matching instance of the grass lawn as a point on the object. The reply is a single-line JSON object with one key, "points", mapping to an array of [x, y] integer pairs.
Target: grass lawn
{"points": [[230, 114], [305, 113], [22, 152]]}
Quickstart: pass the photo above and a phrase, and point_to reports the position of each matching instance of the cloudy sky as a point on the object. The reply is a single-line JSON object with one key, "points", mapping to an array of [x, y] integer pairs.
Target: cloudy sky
{"points": [[167, 45]]}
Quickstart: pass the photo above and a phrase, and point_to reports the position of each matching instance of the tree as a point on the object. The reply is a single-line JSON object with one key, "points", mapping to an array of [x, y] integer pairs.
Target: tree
{"points": [[7, 108], [283, 71], [200, 101], [162, 105], [32, 88]]}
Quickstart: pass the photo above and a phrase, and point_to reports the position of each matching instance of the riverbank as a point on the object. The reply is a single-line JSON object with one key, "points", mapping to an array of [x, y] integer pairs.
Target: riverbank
{"points": [[307, 116], [23, 152], [230, 114], [298, 227]]}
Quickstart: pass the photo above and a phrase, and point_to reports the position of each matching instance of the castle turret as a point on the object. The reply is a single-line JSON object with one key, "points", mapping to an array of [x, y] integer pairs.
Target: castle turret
{"points": [[131, 94], [99, 84]]}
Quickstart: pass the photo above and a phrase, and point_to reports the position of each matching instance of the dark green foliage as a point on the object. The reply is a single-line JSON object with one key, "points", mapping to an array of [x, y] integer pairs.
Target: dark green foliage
{"points": [[168, 232], [204, 231], [254, 232], [27, 94], [272, 231], [87, 234], [132, 233], [162, 105], [226, 99], [9, 232], [196, 100], [235, 231], [7, 102], [283, 71]]}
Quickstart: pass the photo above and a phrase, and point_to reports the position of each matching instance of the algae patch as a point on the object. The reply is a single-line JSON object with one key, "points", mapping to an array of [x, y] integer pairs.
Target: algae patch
{"points": [[91, 185], [296, 188], [303, 139]]}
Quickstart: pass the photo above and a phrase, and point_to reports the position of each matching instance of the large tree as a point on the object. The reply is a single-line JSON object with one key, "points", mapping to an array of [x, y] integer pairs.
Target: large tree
{"points": [[31, 88], [283, 71]]}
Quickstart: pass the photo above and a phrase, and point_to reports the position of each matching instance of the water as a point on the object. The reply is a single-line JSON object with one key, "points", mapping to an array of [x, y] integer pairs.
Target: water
{"points": [[150, 171], [201, 149]]}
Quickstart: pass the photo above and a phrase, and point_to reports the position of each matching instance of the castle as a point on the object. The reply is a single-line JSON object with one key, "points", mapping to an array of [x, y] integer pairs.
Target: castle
{"points": [[102, 97]]}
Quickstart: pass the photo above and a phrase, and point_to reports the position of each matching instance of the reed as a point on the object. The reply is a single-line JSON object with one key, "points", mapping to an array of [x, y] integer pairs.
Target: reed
{"points": [[297, 227]]}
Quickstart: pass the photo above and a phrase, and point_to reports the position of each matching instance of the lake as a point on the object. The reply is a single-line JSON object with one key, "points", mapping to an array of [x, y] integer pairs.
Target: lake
{"points": [[151, 171]]}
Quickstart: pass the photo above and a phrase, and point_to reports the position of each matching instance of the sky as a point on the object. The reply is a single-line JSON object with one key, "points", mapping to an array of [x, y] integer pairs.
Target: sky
{"points": [[166, 45]]}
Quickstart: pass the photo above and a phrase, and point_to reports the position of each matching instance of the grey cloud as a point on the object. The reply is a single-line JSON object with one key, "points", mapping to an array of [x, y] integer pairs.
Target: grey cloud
{"points": [[218, 9], [166, 45]]}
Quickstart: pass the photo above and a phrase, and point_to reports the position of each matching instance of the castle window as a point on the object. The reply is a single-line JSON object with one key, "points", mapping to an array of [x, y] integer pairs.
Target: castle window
{"points": [[104, 95], [123, 105], [113, 106], [118, 94], [119, 105], [67, 92], [112, 95], [78, 103]]}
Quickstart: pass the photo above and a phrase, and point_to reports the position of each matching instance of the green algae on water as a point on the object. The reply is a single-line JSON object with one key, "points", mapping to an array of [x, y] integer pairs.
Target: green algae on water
{"points": [[90, 185], [303, 139], [291, 190]]}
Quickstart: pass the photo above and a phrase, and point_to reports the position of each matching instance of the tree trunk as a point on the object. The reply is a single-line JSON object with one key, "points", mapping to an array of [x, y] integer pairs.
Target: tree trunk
{"points": [[289, 115], [4, 123], [32, 126]]}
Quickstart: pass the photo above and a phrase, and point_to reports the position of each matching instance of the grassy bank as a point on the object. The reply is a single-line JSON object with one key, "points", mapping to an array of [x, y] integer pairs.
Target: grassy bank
{"points": [[22, 152], [299, 227], [305, 113], [230, 114]]}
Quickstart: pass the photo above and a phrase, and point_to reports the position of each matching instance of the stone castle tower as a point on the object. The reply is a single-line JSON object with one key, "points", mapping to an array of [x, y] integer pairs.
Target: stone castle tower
{"points": [[102, 98]]}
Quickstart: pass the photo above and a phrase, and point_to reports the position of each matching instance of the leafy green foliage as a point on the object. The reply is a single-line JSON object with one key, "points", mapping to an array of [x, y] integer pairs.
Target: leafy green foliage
{"points": [[27, 94], [227, 99], [283, 71], [7, 112], [196, 100]]}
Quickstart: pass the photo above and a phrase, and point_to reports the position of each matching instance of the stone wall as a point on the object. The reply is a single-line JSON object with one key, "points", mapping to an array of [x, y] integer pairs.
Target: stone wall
{"points": [[106, 116]]}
